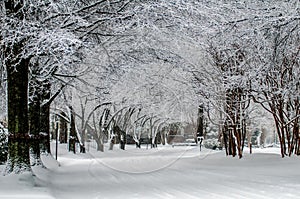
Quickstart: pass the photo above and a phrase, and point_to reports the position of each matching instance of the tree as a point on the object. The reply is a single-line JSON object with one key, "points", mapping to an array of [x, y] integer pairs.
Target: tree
{"points": [[23, 38], [97, 126], [3, 92], [231, 63], [63, 125], [267, 39], [51, 32], [17, 69], [3, 144], [279, 81]]}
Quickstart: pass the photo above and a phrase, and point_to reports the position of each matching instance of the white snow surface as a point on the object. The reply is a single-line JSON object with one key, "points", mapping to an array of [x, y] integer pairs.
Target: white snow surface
{"points": [[164, 172]]}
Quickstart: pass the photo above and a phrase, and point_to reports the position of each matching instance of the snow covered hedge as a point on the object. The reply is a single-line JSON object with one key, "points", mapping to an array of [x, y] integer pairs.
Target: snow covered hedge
{"points": [[211, 143], [211, 138], [3, 144]]}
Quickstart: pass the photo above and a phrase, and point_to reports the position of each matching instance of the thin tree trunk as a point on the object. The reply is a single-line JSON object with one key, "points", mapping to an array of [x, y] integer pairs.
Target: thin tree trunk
{"points": [[225, 140], [281, 139], [238, 138], [72, 139], [292, 144], [163, 137], [298, 147], [200, 119], [63, 133]]}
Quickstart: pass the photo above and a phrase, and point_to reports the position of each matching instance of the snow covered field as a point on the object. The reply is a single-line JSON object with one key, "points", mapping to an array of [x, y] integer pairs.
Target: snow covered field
{"points": [[166, 172]]}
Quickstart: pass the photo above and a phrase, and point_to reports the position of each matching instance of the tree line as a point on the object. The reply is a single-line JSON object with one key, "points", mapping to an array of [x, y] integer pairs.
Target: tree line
{"points": [[231, 54]]}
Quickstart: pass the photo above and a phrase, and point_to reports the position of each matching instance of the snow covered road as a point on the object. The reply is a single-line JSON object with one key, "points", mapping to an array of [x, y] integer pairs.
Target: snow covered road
{"points": [[168, 172]]}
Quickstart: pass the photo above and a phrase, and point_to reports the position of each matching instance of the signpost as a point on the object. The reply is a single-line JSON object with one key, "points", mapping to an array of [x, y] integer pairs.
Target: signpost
{"points": [[56, 139], [200, 136]]}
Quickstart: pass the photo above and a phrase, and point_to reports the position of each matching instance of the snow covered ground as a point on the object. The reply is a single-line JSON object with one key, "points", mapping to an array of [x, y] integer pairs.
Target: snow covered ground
{"points": [[165, 172]]}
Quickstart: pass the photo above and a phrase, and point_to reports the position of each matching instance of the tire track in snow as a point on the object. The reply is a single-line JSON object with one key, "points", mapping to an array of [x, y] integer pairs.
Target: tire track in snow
{"points": [[95, 176], [164, 164]]}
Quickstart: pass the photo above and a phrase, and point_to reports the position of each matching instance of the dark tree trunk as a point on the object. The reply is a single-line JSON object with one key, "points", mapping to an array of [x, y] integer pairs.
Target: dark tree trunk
{"points": [[225, 139], [82, 148], [17, 96], [34, 115], [120, 136], [45, 129], [138, 144], [39, 113], [297, 152], [158, 138], [200, 126], [17, 102], [111, 144], [163, 137], [297, 137], [63, 133], [72, 138], [122, 142], [34, 127], [45, 116]]}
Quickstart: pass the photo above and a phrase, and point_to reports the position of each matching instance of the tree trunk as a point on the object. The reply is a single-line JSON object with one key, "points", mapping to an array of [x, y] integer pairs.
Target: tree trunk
{"points": [[72, 138], [122, 139], [63, 133], [45, 116], [138, 144], [17, 96], [297, 152], [34, 128], [111, 144], [45, 129], [100, 146], [296, 132], [225, 140], [163, 137], [17, 102], [34, 115], [200, 125]]}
